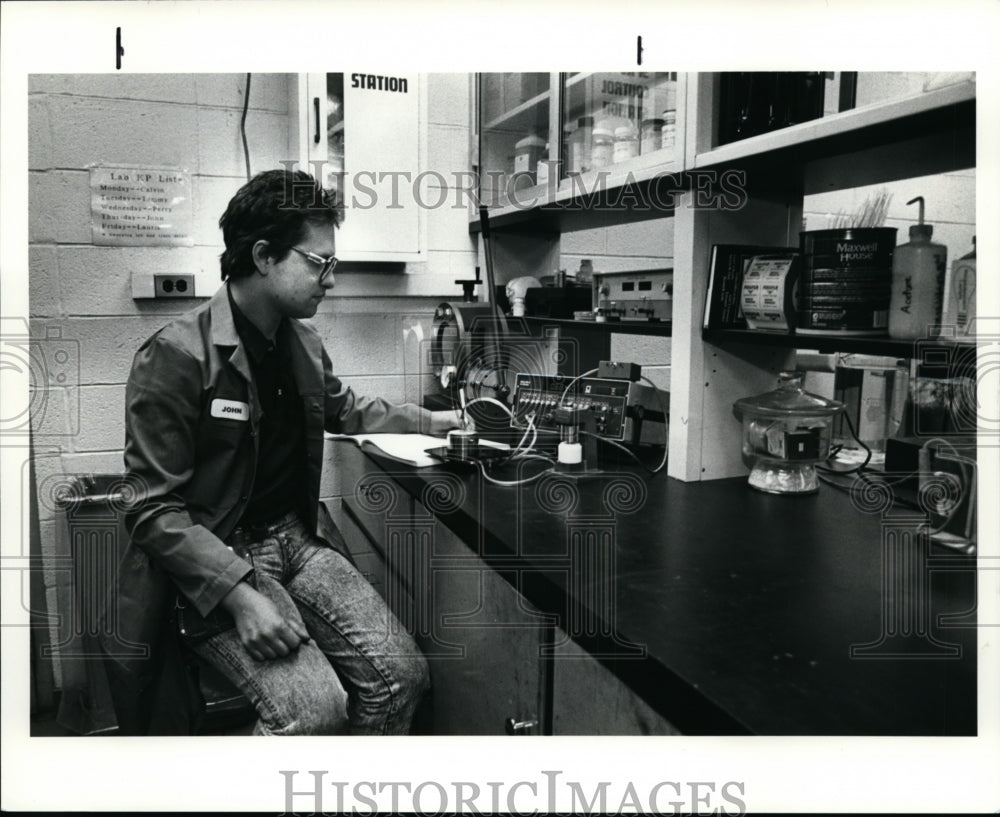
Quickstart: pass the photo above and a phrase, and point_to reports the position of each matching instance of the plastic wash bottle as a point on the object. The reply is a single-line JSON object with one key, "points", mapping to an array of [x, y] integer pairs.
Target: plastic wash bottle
{"points": [[918, 270]]}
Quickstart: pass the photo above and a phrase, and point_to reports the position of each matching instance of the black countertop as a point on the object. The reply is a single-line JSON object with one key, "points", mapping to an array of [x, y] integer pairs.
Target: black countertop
{"points": [[732, 611]]}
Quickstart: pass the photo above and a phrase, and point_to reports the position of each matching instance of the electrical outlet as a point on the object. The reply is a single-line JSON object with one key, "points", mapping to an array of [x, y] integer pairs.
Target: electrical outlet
{"points": [[173, 286]]}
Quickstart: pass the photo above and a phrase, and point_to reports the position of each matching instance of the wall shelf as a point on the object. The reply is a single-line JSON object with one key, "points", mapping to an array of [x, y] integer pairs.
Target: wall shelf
{"points": [[840, 343], [656, 328], [520, 117], [861, 126], [933, 357], [629, 192]]}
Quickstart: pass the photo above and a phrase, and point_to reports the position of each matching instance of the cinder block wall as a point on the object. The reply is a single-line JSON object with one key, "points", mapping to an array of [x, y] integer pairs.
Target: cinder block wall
{"points": [[81, 293], [949, 205]]}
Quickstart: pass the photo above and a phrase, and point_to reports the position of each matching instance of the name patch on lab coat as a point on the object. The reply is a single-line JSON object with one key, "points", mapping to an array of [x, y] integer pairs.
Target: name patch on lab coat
{"points": [[230, 409]]}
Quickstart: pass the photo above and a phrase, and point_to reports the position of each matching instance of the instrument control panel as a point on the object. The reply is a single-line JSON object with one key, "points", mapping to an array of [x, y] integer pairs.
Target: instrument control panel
{"points": [[634, 296], [613, 409]]}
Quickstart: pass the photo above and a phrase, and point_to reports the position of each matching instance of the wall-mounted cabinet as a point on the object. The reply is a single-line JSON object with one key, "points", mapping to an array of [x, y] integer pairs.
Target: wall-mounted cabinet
{"points": [[360, 133], [839, 132], [546, 139], [617, 121]]}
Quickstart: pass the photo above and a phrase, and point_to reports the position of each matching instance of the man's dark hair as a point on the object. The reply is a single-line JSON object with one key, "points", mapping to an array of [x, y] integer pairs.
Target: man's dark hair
{"points": [[274, 206]]}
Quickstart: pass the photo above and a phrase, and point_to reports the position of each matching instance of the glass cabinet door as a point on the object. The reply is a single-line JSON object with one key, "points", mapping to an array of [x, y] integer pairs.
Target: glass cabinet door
{"points": [[755, 102], [328, 141], [514, 146], [612, 118]]}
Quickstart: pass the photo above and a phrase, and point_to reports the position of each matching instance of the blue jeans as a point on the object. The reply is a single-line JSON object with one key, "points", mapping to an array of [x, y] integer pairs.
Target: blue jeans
{"points": [[361, 673]]}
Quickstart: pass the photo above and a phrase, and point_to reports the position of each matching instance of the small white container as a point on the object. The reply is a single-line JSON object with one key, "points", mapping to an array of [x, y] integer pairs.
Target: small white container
{"points": [[959, 310], [602, 146], [578, 146], [626, 144], [527, 152], [669, 129]]}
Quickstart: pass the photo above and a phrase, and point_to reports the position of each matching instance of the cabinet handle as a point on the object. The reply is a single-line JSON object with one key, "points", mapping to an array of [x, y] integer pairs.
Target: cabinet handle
{"points": [[316, 110], [516, 727]]}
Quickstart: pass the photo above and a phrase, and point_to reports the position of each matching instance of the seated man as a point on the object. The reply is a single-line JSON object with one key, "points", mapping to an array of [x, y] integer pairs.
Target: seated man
{"points": [[225, 413]]}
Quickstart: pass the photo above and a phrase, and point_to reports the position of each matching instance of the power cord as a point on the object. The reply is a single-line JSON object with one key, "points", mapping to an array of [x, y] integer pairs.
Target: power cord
{"points": [[532, 430], [666, 438], [574, 380], [519, 453], [516, 482], [857, 469], [243, 127]]}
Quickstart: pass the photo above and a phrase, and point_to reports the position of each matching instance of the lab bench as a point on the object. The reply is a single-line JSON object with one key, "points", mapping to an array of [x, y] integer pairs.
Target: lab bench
{"points": [[624, 603]]}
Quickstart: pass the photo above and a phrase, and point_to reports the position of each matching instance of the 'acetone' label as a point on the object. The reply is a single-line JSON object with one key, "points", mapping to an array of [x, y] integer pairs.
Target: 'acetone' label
{"points": [[230, 409]]}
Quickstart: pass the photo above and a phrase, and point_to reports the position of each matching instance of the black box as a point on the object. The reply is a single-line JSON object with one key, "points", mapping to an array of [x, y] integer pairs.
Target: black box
{"points": [[619, 371]]}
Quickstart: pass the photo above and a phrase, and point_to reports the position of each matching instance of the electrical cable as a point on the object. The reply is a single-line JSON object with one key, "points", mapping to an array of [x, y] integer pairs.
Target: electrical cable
{"points": [[512, 483], [536, 456], [822, 471], [243, 127], [492, 400], [840, 486], [517, 453], [824, 474], [574, 380], [857, 469], [666, 436], [618, 445], [532, 430]]}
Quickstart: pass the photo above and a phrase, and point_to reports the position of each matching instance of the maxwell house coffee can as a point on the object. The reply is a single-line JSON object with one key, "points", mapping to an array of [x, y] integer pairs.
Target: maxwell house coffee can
{"points": [[846, 279]]}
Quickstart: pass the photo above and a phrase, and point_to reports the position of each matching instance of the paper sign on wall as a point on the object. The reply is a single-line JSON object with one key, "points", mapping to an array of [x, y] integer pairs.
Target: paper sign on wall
{"points": [[136, 206]]}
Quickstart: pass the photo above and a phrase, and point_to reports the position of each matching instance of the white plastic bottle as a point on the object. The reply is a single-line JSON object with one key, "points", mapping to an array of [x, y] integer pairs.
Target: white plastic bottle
{"points": [[918, 270], [959, 311]]}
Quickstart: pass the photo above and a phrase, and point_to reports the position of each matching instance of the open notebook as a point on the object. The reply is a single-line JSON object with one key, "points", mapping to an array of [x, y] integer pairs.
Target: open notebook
{"points": [[406, 448]]}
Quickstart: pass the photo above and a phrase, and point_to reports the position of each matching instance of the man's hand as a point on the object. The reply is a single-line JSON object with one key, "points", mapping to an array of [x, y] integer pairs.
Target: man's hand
{"points": [[263, 630], [443, 421]]}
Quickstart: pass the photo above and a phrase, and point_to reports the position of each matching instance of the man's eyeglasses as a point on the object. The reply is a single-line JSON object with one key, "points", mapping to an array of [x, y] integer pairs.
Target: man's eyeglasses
{"points": [[327, 265]]}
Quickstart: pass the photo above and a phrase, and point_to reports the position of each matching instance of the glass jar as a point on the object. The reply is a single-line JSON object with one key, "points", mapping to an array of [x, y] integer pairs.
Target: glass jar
{"points": [[579, 146], [527, 153], [626, 143], [602, 146], [670, 117], [652, 135], [785, 433], [669, 128]]}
